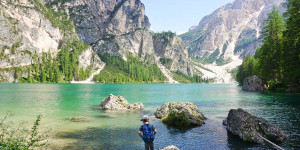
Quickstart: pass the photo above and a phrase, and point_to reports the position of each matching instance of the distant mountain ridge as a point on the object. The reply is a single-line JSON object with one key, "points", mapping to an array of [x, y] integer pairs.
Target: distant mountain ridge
{"points": [[230, 32]]}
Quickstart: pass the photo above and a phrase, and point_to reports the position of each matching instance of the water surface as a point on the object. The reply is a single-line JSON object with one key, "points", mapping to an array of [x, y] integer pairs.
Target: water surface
{"points": [[111, 130]]}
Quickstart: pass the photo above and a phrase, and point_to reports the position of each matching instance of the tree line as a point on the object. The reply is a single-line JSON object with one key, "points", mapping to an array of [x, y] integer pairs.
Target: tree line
{"points": [[277, 61], [134, 70], [62, 68]]}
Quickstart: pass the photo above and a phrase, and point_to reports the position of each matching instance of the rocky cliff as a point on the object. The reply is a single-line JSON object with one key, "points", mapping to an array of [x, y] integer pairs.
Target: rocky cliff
{"points": [[34, 28], [24, 31], [117, 27], [230, 32], [26, 36], [172, 52]]}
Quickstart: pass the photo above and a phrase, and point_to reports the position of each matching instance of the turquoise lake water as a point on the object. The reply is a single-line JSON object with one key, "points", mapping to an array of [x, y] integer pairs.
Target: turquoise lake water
{"points": [[118, 130]]}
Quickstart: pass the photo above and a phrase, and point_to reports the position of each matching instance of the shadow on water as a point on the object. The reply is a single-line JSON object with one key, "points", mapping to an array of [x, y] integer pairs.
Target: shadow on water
{"points": [[235, 143], [97, 138]]}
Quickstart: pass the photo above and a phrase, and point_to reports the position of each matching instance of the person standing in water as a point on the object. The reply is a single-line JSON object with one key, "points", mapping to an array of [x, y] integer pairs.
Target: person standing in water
{"points": [[149, 133]]}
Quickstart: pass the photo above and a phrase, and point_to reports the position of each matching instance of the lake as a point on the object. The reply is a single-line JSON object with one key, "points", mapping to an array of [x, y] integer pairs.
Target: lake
{"points": [[112, 130]]}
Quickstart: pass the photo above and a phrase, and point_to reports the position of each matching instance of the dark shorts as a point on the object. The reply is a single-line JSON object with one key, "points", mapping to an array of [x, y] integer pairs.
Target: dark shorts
{"points": [[149, 146]]}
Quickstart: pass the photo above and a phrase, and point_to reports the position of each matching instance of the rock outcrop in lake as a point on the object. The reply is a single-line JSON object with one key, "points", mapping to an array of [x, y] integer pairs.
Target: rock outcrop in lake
{"points": [[248, 127], [172, 147], [253, 83], [80, 119], [180, 115], [113, 102]]}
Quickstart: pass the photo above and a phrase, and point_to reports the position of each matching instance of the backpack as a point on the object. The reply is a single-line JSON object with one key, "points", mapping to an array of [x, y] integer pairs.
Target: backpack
{"points": [[148, 133]]}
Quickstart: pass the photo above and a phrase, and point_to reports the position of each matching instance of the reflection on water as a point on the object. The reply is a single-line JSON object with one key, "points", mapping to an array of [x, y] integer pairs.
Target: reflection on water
{"points": [[118, 130]]}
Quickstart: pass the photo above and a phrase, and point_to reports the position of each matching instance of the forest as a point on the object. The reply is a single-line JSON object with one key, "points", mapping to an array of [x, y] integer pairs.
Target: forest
{"points": [[134, 70], [62, 68], [277, 61]]}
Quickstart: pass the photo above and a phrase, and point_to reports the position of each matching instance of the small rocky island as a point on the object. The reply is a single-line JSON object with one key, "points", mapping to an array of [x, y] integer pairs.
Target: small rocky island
{"points": [[113, 102], [182, 115], [251, 128]]}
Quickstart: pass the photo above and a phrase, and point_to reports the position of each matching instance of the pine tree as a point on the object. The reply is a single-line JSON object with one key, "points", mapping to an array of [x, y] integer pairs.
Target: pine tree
{"points": [[291, 54], [29, 75], [271, 49]]}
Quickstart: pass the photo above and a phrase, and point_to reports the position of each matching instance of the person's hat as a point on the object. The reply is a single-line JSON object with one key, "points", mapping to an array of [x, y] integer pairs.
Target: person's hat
{"points": [[145, 117]]}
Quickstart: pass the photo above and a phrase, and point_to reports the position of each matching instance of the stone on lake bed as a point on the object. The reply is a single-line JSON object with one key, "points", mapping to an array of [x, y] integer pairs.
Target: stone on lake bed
{"points": [[105, 116], [80, 119], [172, 147], [181, 115], [113, 102], [248, 127]]}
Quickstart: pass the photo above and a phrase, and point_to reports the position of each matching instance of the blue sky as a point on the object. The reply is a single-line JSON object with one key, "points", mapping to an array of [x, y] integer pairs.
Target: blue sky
{"points": [[179, 15]]}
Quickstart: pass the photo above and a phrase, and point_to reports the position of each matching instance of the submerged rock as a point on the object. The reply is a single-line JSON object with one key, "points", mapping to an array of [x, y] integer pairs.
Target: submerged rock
{"points": [[180, 114], [113, 102], [80, 119], [172, 147], [253, 83], [248, 127], [105, 116]]}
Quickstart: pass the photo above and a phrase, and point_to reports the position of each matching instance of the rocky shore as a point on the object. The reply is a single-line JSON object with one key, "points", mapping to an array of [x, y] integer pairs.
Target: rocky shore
{"points": [[253, 83]]}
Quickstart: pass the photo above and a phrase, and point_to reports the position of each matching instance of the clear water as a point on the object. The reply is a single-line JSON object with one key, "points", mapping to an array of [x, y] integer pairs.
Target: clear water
{"points": [[113, 130]]}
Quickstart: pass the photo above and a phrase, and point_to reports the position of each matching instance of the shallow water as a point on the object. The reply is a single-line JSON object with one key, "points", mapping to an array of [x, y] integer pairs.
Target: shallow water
{"points": [[111, 130]]}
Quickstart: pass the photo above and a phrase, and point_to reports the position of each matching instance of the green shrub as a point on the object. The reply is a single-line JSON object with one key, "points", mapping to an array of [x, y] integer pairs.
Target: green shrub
{"points": [[178, 120], [166, 62], [21, 138], [167, 36]]}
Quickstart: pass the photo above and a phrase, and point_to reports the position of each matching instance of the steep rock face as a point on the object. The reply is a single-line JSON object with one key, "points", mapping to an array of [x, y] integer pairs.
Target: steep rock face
{"points": [[117, 27], [173, 53], [231, 31], [120, 28], [138, 43], [24, 31], [89, 59], [26, 36]]}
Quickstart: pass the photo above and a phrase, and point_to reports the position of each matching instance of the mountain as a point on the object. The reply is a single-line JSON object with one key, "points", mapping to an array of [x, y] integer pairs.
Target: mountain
{"points": [[63, 41], [230, 32], [221, 40]]}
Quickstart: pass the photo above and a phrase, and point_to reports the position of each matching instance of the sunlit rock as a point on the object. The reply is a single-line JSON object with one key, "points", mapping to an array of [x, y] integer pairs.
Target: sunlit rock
{"points": [[113, 102], [180, 115]]}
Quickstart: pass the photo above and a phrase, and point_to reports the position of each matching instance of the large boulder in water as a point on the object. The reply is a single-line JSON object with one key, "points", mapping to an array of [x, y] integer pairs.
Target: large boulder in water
{"points": [[253, 83], [180, 115], [172, 147], [113, 102], [248, 127]]}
